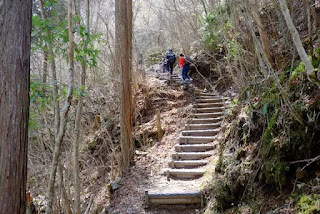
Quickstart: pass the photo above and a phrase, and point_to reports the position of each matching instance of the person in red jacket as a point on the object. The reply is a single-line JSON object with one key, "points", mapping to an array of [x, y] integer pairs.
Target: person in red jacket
{"points": [[185, 65]]}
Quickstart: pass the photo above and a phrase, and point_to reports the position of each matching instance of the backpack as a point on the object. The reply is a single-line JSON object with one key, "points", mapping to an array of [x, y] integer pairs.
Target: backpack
{"points": [[172, 58], [188, 61]]}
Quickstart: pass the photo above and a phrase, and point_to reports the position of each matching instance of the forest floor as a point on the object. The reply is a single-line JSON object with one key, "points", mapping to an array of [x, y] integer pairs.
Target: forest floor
{"points": [[148, 169]]}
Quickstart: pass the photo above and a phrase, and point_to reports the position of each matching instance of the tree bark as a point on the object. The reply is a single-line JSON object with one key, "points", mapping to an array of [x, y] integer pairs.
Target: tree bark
{"points": [[123, 54], [129, 50], [316, 19], [65, 198], [263, 35], [15, 39], [267, 69], [64, 114], [76, 167], [45, 53], [296, 40]]}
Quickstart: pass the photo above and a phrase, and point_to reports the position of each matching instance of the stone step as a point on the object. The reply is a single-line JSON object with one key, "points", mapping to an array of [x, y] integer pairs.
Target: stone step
{"points": [[208, 105], [194, 148], [174, 198], [204, 120], [196, 139], [202, 126], [208, 110], [163, 74], [208, 97], [185, 173], [209, 132], [198, 90], [183, 164], [175, 80], [215, 100], [207, 94], [207, 115], [191, 155]]}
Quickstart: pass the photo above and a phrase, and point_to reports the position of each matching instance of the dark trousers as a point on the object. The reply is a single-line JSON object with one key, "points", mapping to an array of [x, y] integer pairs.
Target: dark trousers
{"points": [[185, 72], [170, 67]]}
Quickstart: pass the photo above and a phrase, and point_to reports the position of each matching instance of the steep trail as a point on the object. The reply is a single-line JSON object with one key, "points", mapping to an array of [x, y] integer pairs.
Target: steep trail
{"points": [[181, 183], [175, 166]]}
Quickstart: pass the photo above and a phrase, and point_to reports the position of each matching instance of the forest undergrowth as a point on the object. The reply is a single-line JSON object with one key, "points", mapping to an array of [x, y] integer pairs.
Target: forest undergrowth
{"points": [[246, 50], [269, 146]]}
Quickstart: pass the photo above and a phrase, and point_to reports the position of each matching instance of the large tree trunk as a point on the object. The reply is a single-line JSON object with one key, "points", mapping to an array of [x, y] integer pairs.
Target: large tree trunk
{"points": [[64, 114], [123, 54], [15, 34], [130, 58], [297, 41]]}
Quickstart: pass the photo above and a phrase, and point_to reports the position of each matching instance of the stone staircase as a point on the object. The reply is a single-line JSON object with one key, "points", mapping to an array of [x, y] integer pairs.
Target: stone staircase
{"points": [[174, 78], [194, 149]]}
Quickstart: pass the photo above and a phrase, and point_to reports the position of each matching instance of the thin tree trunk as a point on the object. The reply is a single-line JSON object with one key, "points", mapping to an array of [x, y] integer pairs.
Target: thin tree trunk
{"points": [[45, 70], [54, 74], [76, 167], [204, 7], [296, 40], [45, 53], [308, 14], [64, 114], [263, 35], [55, 95], [15, 42], [65, 198], [316, 19], [264, 63]]}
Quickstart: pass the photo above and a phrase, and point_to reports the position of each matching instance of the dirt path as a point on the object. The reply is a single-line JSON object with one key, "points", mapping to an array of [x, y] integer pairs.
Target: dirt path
{"points": [[147, 173]]}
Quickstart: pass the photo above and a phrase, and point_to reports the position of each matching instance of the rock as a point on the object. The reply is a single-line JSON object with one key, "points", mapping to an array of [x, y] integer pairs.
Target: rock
{"points": [[300, 174], [140, 153]]}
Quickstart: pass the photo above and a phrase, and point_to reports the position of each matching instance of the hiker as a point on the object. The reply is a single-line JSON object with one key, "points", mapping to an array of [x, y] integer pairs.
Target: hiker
{"points": [[170, 59], [185, 65]]}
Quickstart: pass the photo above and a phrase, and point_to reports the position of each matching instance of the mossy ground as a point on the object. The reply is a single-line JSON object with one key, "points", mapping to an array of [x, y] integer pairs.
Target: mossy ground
{"points": [[262, 141]]}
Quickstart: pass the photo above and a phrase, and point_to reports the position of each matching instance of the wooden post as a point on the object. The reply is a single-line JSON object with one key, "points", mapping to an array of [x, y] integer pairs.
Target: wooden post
{"points": [[146, 194], [160, 130], [202, 200], [144, 75]]}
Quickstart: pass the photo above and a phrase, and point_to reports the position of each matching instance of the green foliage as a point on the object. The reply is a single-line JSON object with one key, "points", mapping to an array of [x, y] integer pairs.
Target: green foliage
{"points": [[223, 197], [37, 90], [271, 96], [154, 58], [39, 100], [85, 50], [298, 71], [269, 134], [34, 121], [276, 170], [219, 33], [309, 204], [54, 31], [212, 35]]}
